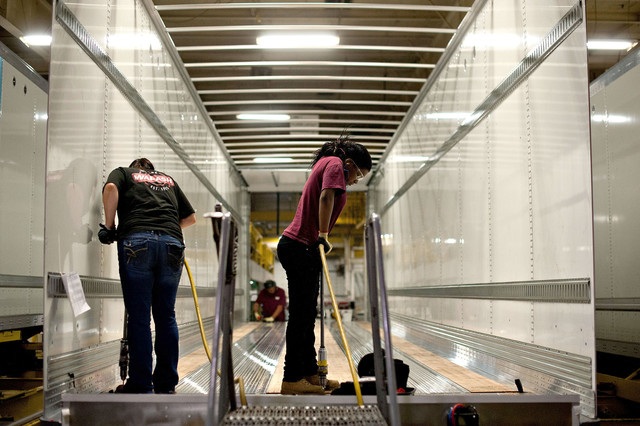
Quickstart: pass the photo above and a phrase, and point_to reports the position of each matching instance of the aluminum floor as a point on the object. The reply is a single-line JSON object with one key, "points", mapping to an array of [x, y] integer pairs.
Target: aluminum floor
{"points": [[258, 356]]}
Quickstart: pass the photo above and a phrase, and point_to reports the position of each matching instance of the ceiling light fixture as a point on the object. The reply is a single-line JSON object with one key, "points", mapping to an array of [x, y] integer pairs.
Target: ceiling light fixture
{"points": [[610, 44], [272, 160], [36, 40], [297, 40], [264, 117]]}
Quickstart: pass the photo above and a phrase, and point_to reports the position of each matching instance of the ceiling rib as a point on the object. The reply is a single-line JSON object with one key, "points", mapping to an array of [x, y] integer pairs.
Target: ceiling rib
{"points": [[308, 77], [308, 90], [307, 27], [364, 86], [293, 128], [340, 47], [306, 64], [297, 120], [311, 111], [314, 5]]}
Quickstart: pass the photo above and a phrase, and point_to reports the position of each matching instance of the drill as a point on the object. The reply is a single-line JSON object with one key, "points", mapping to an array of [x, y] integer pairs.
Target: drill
{"points": [[323, 366]]}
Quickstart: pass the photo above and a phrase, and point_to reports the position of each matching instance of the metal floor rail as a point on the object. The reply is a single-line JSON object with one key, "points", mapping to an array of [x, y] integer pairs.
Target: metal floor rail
{"points": [[254, 356]]}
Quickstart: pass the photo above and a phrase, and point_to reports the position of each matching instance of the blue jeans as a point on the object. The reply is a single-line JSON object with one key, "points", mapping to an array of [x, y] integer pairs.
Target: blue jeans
{"points": [[303, 265], [150, 269]]}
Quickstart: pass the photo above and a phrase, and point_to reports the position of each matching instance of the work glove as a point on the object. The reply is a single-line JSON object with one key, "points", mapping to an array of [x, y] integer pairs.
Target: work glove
{"points": [[106, 235], [257, 316], [268, 319], [323, 239]]}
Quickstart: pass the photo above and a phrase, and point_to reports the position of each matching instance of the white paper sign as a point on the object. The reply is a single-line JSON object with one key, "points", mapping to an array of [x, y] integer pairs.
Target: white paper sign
{"points": [[75, 294]]}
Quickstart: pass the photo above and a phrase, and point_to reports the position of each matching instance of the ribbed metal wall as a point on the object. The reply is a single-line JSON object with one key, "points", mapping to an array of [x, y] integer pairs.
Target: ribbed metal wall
{"points": [[485, 202], [615, 124], [111, 102]]}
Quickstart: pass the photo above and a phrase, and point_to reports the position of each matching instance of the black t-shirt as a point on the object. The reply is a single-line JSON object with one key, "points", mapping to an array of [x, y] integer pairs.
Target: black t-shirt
{"points": [[149, 201]]}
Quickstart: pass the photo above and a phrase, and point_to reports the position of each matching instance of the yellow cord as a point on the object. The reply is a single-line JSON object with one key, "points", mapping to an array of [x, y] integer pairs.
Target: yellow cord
{"points": [[195, 301], [239, 381], [354, 374]]}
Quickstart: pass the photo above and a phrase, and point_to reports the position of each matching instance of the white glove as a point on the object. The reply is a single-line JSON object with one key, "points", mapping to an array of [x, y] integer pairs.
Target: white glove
{"points": [[257, 316], [268, 319]]}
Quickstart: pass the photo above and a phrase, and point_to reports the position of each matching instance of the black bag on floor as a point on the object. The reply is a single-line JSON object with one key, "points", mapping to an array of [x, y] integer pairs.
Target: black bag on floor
{"points": [[366, 370]]}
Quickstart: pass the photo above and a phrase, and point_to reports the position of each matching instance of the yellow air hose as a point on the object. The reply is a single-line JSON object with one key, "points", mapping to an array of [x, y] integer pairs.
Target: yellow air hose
{"points": [[354, 374], [239, 380]]}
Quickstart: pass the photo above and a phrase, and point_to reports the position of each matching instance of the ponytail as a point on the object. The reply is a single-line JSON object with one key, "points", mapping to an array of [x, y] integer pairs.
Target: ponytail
{"points": [[344, 148], [142, 163]]}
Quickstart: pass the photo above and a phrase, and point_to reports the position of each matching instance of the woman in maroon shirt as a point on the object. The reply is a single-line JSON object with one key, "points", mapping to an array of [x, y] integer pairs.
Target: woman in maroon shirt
{"points": [[336, 164]]}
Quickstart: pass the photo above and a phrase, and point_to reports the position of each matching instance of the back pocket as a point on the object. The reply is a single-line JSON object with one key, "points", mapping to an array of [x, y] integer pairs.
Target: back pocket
{"points": [[175, 256], [135, 252]]}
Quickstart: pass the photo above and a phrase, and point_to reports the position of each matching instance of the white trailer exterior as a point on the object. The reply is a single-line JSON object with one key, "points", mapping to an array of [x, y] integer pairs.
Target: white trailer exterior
{"points": [[615, 126], [23, 130]]}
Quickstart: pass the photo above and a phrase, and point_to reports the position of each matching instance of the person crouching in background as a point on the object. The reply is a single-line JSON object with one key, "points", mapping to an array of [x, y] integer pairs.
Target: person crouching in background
{"points": [[273, 301]]}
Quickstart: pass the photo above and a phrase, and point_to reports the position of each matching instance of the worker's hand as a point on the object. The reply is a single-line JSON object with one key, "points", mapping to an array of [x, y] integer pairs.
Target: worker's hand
{"points": [[106, 235], [323, 239], [268, 319], [257, 316]]}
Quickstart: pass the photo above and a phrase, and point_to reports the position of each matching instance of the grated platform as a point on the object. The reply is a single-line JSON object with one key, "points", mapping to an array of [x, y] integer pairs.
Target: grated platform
{"points": [[329, 415]]}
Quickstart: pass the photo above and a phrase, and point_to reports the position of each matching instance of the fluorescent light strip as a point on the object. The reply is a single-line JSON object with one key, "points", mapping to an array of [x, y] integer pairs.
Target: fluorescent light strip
{"points": [[263, 117], [610, 44], [36, 40]]}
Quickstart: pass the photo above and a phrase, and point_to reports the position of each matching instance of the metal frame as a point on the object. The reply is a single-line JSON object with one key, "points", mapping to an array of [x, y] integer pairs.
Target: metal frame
{"points": [[189, 408], [109, 288], [225, 233], [23, 67], [555, 291], [375, 279]]}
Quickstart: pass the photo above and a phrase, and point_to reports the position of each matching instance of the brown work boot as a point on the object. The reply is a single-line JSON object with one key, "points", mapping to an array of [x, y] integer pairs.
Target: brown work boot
{"points": [[301, 387], [330, 386]]}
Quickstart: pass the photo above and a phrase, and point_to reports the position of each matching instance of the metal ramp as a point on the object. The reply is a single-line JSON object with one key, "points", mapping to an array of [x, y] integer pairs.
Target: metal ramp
{"points": [[328, 415], [222, 408]]}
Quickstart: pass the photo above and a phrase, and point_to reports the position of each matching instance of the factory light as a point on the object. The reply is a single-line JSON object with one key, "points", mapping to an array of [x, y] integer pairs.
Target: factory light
{"points": [[36, 40], [610, 44], [297, 40], [265, 117]]}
